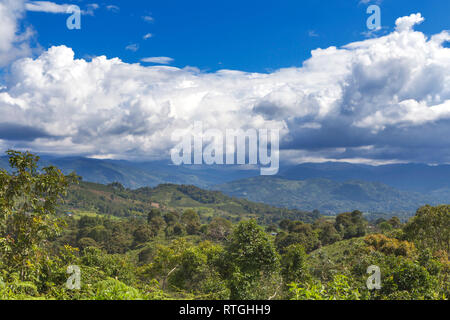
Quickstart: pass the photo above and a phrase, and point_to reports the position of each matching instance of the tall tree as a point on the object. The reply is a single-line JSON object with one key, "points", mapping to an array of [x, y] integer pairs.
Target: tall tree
{"points": [[28, 201]]}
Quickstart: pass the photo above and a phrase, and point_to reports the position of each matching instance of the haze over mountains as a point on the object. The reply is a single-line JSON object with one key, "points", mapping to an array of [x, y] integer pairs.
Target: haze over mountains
{"points": [[331, 197], [411, 177], [330, 187], [141, 174]]}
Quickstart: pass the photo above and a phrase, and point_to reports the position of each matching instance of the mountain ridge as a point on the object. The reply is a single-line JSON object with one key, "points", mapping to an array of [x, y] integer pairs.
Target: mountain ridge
{"points": [[331, 197]]}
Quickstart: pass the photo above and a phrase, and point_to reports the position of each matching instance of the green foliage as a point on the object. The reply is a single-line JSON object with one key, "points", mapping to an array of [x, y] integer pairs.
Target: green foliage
{"points": [[219, 229], [250, 257], [329, 196], [430, 228], [299, 233], [181, 242], [388, 246], [351, 224], [294, 266], [112, 289], [326, 231], [191, 221], [28, 201], [170, 198], [337, 289], [406, 279]]}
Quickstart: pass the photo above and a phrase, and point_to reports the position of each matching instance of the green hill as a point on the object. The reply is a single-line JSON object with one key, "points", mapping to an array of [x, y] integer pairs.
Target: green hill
{"points": [[117, 201], [331, 197]]}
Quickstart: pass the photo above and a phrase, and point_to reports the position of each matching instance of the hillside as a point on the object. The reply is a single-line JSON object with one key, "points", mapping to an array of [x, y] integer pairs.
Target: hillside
{"points": [[120, 202], [407, 177], [410, 177], [331, 197]]}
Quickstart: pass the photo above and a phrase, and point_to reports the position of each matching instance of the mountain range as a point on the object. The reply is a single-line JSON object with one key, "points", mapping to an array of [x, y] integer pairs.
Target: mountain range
{"points": [[331, 197], [330, 187], [412, 176]]}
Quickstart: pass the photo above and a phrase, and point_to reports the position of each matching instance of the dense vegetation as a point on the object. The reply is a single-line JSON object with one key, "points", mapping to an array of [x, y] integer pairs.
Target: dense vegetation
{"points": [[180, 242], [118, 201]]}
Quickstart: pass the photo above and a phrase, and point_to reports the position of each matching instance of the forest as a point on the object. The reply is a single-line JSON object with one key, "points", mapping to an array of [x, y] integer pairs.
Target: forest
{"points": [[181, 242]]}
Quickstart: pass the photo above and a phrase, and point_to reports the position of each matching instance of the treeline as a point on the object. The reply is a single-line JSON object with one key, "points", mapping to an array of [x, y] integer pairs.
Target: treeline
{"points": [[120, 236]]}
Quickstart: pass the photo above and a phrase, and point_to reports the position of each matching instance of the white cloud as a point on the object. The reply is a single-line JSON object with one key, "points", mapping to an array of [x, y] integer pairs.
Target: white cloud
{"points": [[90, 9], [46, 6], [159, 60], [406, 23], [113, 8], [147, 36], [148, 18], [390, 93], [52, 7], [132, 47], [370, 1], [13, 41]]}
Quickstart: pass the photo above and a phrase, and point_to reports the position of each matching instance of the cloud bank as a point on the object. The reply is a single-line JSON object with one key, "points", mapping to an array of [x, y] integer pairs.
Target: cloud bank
{"points": [[381, 99]]}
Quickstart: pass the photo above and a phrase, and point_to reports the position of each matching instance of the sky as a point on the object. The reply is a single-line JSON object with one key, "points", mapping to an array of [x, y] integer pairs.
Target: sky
{"points": [[137, 71]]}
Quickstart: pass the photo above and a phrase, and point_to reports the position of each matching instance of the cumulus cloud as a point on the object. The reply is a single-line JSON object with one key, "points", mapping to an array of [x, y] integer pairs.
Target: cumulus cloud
{"points": [[385, 99], [406, 23]]}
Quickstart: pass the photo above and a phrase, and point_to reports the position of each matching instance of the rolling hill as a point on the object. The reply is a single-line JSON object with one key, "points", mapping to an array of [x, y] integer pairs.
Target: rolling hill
{"points": [[330, 187], [331, 197], [114, 200]]}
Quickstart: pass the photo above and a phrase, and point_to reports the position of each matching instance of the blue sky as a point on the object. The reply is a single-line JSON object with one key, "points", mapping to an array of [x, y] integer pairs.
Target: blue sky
{"points": [[256, 36], [310, 69]]}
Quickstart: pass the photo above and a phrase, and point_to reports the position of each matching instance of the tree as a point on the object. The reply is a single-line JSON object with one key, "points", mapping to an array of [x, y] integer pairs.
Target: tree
{"points": [[143, 233], [156, 225], [326, 231], [395, 222], [293, 264], [284, 224], [87, 242], [251, 258], [351, 224], [430, 228], [154, 213], [219, 229], [300, 233], [28, 202], [171, 218], [191, 221]]}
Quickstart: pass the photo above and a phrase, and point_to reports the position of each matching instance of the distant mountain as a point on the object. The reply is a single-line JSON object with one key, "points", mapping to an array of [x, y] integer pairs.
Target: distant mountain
{"points": [[411, 177], [331, 197], [308, 186], [140, 174]]}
